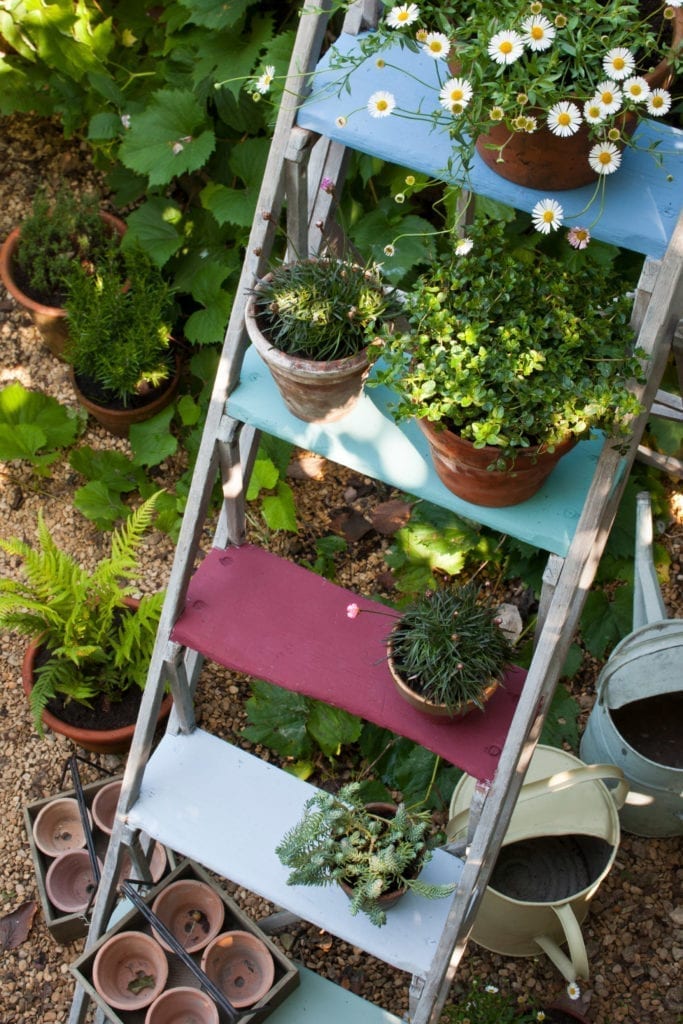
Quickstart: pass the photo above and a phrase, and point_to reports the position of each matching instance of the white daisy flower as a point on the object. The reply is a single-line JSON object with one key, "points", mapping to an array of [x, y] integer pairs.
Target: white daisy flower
{"points": [[456, 92], [604, 158], [462, 247], [340, 121], [564, 118], [265, 80], [538, 33], [573, 990], [618, 63], [506, 47], [402, 15], [578, 237], [658, 102], [436, 45], [636, 89], [593, 112], [381, 104], [608, 95], [547, 215], [389, 250]]}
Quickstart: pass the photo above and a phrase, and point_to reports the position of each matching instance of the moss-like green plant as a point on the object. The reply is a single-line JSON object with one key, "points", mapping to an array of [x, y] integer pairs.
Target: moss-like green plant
{"points": [[56, 235], [120, 322], [448, 645], [94, 643], [339, 839], [322, 309]]}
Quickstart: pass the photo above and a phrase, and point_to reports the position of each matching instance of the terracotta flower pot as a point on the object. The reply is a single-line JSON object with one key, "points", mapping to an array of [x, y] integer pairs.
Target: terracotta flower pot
{"points": [[119, 421], [464, 469], [104, 806], [241, 966], [428, 707], [58, 827], [157, 864], [70, 882], [97, 741], [542, 160], [192, 911], [130, 970], [50, 320], [182, 1005], [316, 392]]}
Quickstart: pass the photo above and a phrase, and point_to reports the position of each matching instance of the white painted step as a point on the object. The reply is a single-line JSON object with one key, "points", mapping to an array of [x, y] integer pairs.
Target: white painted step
{"points": [[228, 810]]}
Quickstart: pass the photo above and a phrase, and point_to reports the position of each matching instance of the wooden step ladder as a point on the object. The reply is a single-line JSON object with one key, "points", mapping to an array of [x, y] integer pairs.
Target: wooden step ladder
{"points": [[186, 793]]}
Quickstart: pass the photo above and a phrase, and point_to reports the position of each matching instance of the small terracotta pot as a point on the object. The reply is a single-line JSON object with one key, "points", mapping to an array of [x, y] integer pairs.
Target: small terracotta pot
{"points": [[181, 1006], [314, 391], [58, 827], [50, 320], [428, 707], [241, 966], [192, 911], [157, 864], [104, 806], [119, 421], [463, 469], [563, 1013], [130, 959], [70, 882]]}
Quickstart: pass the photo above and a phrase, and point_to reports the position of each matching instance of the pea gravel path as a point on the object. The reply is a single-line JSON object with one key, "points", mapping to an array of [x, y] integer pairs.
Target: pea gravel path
{"points": [[634, 932]]}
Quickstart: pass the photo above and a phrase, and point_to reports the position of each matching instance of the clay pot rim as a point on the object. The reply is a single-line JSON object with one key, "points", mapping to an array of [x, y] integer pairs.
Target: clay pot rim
{"points": [[256, 943], [208, 1007], [206, 894], [55, 869], [43, 813], [429, 707]]}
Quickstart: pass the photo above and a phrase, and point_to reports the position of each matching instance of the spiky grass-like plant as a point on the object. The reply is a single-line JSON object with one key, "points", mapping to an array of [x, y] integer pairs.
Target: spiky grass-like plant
{"points": [[339, 839], [93, 642], [448, 645], [322, 309]]}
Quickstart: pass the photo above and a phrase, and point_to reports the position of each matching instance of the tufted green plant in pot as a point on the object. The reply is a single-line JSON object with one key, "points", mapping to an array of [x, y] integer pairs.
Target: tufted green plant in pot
{"points": [[120, 339]]}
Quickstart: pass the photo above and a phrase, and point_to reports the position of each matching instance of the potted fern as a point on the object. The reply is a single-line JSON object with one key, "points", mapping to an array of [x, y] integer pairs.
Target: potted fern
{"points": [[374, 851], [37, 257], [447, 651], [120, 339], [90, 640], [311, 321]]}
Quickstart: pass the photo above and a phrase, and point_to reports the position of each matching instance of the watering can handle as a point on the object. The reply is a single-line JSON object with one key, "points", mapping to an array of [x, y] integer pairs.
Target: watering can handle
{"points": [[576, 964], [555, 784]]}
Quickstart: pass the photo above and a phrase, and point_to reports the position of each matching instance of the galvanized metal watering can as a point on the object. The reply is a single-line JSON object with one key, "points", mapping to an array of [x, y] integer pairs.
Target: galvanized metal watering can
{"points": [[560, 845]]}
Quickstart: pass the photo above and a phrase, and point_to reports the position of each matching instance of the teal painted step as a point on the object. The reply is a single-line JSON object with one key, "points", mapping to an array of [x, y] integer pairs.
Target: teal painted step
{"points": [[641, 202], [319, 1001], [369, 441]]}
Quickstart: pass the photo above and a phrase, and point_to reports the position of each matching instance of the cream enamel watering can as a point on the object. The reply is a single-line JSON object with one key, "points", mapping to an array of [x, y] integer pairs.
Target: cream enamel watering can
{"points": [[561, 843]]}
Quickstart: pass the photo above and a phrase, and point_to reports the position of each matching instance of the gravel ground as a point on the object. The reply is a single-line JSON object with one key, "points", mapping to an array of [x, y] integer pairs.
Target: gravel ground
{"points": [[634, 933]]}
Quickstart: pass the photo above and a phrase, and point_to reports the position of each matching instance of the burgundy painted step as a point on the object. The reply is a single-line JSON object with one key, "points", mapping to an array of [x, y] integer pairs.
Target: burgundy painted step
{"points": [[258, 614]]}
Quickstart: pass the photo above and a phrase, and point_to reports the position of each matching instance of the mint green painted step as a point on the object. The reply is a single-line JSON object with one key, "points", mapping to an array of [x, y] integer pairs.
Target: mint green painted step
{"points": [[369, 441]]}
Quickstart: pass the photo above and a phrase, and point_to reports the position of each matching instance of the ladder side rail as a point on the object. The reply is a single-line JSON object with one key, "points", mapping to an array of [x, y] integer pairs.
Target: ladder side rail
{"points": [[361, 15], [655, 338]]}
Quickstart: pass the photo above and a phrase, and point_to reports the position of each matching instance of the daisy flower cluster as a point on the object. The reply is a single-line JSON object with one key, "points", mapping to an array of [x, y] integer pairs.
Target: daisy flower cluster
{"points": [[534, 67]]}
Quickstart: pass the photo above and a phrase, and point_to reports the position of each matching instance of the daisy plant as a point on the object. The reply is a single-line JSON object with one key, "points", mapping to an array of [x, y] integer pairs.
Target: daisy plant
{"points": [[528, 66]]}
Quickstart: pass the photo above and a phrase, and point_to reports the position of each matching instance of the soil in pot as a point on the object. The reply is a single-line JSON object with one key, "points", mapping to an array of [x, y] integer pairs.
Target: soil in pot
{"points": [[241, 966], [428, 707]]}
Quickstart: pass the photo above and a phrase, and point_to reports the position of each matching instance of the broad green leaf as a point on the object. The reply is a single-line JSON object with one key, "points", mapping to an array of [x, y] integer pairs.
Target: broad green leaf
{"points": [[215, 16], [561, 725], [19, 407], [264, 476], [152, 440], [207, 326], [229, 205], [170, 138], [21, 441], [605, 622], [279, 511], [104, 126], [154, 226], [332, 728], [100, 504], [277, 718], [188, 411], [114, 469]]}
